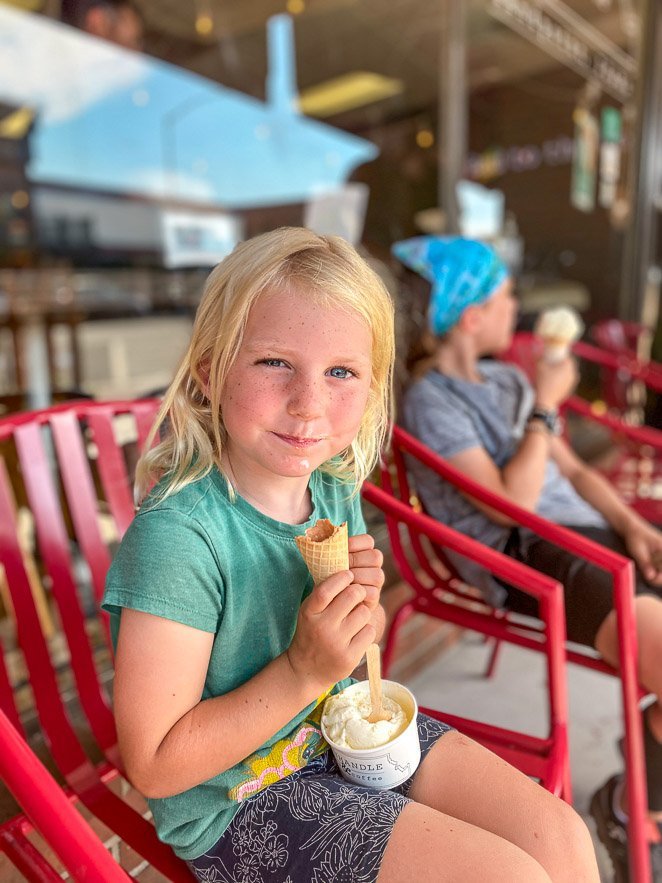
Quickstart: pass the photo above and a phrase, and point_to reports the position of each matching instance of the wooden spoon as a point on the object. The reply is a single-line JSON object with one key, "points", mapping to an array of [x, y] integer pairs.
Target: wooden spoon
{"points": [[378, 712]]}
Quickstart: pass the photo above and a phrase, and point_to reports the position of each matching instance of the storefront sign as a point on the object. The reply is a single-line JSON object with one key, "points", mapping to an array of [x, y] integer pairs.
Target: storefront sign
{"points": [[572, 40], [496, 161]]}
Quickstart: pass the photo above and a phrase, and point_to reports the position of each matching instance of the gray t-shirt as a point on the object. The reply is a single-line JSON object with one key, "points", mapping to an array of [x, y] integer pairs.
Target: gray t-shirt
{"points": [[450, 416]]}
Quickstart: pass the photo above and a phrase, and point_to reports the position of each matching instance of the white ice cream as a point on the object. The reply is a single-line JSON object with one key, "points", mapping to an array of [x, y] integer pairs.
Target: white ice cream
{"points": [[559, 328], [560, 324], [345, 721]]}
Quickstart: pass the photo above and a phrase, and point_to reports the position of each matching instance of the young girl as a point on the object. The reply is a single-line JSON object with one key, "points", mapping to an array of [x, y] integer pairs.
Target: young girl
{"points": [[225, 651]]}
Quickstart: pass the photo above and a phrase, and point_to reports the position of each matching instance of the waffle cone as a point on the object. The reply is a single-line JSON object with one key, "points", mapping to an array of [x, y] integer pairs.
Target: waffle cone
{"points": [[324, 549], [556, 348], [557, 341]]}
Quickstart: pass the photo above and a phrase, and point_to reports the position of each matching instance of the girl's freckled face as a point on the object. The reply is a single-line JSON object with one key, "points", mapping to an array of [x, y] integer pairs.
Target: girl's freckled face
{"points": [[297, 391]]}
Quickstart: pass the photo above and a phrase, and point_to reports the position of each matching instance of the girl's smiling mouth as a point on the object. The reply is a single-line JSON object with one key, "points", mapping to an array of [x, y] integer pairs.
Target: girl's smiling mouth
{"points": [[297, 441]]}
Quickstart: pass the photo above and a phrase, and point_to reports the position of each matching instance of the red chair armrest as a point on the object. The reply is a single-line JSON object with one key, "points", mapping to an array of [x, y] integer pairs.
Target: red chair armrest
{"points": [[51, 812]]}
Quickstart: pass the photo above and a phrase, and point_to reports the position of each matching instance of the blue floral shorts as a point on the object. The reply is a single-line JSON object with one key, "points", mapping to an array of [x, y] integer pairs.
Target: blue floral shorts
{"points": [[311, 827]]}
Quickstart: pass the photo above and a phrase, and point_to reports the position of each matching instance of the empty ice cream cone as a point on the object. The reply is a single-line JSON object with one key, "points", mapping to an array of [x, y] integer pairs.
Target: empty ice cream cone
{"points": [[324, 549]]}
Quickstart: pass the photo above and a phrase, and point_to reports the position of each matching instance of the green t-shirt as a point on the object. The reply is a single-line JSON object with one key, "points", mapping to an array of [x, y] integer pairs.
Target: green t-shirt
{"points": [[223, 567]]}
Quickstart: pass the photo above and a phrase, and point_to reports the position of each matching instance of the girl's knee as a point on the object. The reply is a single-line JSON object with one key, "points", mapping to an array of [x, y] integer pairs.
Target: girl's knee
{"points": [[574, 847]]}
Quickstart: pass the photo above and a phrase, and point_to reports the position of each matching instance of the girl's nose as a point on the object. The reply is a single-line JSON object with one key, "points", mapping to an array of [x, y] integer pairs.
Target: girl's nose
{"points": [[306, 399]]}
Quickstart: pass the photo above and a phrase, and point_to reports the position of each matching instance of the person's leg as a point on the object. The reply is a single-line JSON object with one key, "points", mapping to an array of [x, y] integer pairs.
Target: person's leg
{"points": [[591, 620], [461, 780], [316, 826], [427, 845], [648, 611]]}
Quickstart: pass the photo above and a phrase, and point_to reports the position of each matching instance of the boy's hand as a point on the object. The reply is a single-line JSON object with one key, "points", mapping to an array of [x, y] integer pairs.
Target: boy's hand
{"points": [[554, 382], [365, 562], [644, 543]]}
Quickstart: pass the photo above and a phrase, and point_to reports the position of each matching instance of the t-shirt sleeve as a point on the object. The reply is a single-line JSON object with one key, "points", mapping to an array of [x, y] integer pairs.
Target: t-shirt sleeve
{"points": [[440, 422], [166, 566]]}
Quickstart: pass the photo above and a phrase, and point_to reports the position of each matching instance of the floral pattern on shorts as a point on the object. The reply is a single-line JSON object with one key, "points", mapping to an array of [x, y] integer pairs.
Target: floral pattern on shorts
{"points": [[311, 827]]}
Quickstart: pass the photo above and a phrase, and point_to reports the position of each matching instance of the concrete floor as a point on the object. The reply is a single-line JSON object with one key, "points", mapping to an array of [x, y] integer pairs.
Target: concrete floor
{"points": [[514, 698]]}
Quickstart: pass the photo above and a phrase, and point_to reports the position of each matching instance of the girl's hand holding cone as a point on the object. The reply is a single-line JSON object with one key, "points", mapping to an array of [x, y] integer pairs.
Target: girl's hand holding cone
{"points": [[335, 623], [332, 633]]}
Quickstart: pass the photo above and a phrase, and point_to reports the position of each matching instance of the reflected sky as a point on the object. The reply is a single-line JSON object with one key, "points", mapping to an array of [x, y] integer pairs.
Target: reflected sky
{"points": [[112, 119]]}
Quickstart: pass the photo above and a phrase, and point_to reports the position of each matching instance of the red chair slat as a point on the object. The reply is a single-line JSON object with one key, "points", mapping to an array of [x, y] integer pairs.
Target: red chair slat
{"points": [[7, 696], [81, 495], [112, 468], [145, 412], [25, 857], [53, 543], [57, 730]]}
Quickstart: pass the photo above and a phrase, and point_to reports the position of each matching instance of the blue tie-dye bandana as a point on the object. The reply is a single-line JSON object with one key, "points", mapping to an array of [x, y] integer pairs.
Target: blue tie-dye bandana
{"points": [[462, 272]]}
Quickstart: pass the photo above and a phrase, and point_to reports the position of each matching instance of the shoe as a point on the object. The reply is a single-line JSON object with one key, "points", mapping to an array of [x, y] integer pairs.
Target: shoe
{"points": [[611, 831], [613, 834]]}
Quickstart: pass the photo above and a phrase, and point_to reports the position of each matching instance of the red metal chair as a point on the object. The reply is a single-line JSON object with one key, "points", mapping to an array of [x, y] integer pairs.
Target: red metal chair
{"points": [[630, 339], [71, 470], [634, 465], [439, 592], [48, 810], [545, 758], [630, 344]]}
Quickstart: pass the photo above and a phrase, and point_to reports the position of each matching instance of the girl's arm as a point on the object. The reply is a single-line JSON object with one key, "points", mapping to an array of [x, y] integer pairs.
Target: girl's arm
{"points": [[170, 740]]}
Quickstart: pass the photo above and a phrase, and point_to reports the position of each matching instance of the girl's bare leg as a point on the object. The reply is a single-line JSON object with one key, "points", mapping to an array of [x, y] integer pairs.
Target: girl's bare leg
{"points": [[428, 846], [511, 827]]}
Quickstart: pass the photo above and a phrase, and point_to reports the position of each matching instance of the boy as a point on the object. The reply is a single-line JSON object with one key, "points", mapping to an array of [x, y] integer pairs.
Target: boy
{"points": [[487, 420]]}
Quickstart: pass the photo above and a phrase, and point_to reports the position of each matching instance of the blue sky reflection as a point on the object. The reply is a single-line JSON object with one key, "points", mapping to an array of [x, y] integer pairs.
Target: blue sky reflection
{"points": [[111, 119]]}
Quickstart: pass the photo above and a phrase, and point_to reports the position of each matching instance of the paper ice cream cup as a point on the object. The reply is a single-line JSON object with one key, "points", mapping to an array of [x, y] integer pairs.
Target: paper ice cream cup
{"points": [[388, 765]]}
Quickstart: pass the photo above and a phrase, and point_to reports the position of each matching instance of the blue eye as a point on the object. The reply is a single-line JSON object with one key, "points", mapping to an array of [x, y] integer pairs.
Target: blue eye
{"points": [[272, 363], [341, 373]]}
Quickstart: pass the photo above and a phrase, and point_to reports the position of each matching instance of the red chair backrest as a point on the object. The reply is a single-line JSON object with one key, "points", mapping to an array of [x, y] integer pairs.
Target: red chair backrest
{"points": [[617, 336], [431, 559], [68, 469], [71, 468]]}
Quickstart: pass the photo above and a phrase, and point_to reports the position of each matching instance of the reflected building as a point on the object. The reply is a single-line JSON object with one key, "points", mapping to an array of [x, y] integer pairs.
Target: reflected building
{"points": [[17, 237], [181, 153]]}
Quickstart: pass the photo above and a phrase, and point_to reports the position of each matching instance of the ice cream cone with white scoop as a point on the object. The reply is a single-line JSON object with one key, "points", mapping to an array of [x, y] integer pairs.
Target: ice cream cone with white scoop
{"points": [[558, 328]]}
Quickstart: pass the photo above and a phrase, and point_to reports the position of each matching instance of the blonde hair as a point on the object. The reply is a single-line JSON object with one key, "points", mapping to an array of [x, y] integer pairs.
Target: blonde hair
{"points": [[190, 422]]}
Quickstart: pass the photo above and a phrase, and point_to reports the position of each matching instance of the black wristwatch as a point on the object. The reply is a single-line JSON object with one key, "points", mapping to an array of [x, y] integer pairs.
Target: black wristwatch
{"points": [[551, 419]]}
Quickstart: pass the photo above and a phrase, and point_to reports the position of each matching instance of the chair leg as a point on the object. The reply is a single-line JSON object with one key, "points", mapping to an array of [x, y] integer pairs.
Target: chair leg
{"points": [[494, 657], [26, 858], [399, 620]]}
